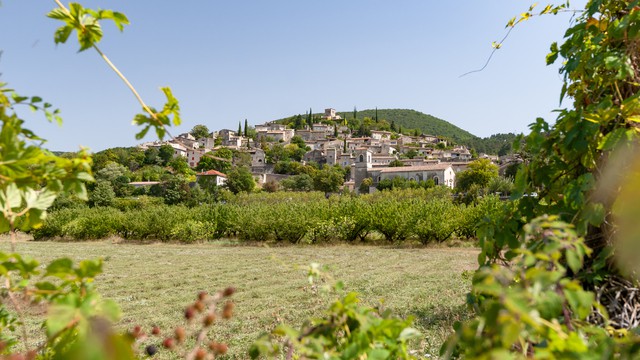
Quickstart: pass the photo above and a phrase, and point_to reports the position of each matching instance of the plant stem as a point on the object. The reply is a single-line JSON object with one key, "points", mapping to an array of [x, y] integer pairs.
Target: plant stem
{"points": [[23, 326], [118, 72]]}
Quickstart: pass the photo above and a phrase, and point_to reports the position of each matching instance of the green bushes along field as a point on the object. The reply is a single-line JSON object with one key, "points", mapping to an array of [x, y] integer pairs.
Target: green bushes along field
{"points": [[399, 215]]}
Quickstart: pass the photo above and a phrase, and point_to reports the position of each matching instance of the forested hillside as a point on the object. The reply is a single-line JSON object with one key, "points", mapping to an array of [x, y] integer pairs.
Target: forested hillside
{"points": [[412, 119]]}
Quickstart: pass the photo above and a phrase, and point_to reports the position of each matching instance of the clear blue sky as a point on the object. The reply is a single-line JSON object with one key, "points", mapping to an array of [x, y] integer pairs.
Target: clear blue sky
{"points": [[263, 60]]}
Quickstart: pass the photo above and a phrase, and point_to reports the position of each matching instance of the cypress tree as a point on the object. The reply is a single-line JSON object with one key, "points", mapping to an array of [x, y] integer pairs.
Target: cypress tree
{"points": [[355, 113], [393, 125], [376, 114], [310, 118], [246, 128], [239, 128]]}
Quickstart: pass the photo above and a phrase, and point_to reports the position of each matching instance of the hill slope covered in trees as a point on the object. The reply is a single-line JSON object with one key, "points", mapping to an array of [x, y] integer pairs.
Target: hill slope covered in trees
{"points": [[412, 119]]}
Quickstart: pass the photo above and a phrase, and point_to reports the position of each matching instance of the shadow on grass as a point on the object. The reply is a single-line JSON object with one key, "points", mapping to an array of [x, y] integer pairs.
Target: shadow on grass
{"points": [[441, 317]]}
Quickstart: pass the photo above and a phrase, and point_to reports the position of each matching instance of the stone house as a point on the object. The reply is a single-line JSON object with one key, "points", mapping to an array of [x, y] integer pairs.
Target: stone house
{"points": [[213, 175]]}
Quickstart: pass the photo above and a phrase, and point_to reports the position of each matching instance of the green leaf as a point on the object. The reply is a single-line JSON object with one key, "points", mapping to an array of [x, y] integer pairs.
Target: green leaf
{"points": [[574, 261], [89, 268], [58, 14], [612, 139], [62, 34], [59, 316], [378, 354], [62, 266], [408, 334]]}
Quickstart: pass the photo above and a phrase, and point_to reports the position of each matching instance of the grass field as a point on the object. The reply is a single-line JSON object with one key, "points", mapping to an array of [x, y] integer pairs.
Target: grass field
{"points": [[154, 282]]}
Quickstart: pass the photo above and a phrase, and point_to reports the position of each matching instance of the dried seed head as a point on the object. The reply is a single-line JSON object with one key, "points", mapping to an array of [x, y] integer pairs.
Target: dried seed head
{"points": [[228, 291], [227, 312], [189, 313], [155, 330], [137, 332], [180, 334], [169, 343], [200, 354], [218, 348], [209, 319], [199, 306]]}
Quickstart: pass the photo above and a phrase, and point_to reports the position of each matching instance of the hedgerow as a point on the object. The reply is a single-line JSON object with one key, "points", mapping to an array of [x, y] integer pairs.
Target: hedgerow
{"points": [[396, 216]]}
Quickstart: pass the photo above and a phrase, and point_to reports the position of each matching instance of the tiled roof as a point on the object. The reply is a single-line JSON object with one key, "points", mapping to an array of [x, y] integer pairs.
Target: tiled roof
{"points": [[211, 173], [431, 167]]}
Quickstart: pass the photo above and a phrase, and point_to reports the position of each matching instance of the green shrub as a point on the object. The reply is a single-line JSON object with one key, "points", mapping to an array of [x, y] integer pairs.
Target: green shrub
{"points": [[93, 224], [54, 222], [392, 217], [435, 220], [192, 230]]}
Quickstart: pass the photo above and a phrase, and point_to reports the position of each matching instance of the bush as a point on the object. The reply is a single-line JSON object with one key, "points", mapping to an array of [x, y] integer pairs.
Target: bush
{"points": [[435, 220], [392, 218], [192, 230]]}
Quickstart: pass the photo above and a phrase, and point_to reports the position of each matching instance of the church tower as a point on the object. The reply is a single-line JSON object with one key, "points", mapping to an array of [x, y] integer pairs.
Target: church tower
{"points": [[362, 167]]}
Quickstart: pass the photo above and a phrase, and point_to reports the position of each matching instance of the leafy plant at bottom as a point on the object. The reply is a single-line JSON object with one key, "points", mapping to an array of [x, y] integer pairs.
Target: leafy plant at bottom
{"points": [[534, 308], [348, 330]]}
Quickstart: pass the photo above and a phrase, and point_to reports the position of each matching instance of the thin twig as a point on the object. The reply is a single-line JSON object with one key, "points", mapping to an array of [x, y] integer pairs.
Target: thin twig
{"points": [[495, 48], [119, 73], [23, 326]]}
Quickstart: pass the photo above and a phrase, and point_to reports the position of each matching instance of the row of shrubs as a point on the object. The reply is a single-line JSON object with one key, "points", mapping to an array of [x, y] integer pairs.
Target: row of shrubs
{"points": [[424, 215]]}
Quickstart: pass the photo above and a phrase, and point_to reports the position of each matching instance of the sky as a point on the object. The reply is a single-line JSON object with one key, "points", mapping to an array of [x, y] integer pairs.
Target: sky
{"points": [[227, 61]]}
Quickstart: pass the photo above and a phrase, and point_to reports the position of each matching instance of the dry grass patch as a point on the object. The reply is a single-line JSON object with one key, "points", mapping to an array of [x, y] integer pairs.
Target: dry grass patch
{"points": [[154, 282]]}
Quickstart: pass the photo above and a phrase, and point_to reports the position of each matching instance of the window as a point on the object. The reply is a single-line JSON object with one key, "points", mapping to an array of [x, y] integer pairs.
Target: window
{"points": [[436, 180], [361, 158]]}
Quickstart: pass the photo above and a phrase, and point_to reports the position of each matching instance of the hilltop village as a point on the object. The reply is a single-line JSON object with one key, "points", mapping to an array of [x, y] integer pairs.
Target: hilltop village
{"points": [[368, 157]]}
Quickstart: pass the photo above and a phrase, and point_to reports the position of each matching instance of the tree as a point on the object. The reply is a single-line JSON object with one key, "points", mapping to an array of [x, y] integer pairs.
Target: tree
{"points": [[328, 179], [355, 113], [111, 172], [297, 123], [200, 131], [151, 156], [239, 133], [210, 163], [165, 153], [479, 172], [102, 194], [246, 128], [396, 163], [302, 182], [411, 154], [240, 179], [365, 185]]}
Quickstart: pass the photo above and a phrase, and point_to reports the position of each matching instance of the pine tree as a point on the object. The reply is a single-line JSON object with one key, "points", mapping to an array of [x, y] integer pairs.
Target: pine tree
{"points": [[246, 128], [297, 124]]}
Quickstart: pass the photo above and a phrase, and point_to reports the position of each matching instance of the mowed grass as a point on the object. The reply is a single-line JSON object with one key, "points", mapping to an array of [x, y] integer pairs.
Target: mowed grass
{"points": [[153, 283]]}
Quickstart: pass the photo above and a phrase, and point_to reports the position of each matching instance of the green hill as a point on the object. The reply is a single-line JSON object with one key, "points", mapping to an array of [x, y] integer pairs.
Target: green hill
{"points": [[409, 120], [412, 119]]}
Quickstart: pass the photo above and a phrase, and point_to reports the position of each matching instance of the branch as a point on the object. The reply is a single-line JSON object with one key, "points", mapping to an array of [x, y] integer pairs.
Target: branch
{"points": [[120, 74]]}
